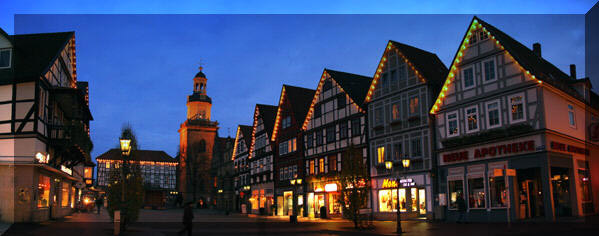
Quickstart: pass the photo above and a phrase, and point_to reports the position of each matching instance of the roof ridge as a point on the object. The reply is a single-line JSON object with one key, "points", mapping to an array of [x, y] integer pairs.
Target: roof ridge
{"points": [[47, 33]]}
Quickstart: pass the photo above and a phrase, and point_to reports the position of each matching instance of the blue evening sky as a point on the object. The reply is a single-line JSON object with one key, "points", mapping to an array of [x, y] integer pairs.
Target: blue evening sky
{"points": [[140, 67]]}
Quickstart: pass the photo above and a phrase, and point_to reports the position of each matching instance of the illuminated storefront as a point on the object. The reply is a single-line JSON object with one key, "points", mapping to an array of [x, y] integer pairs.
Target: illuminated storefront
{"points": [[327, 195], [414, 196]]}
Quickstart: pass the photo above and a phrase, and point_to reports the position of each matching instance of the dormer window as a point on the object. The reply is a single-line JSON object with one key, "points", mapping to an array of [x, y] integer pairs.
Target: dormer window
{"points": [[5, 58]]}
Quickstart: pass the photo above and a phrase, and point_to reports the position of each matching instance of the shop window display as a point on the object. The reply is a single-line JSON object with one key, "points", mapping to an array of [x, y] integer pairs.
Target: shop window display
{"points": [[64, 201], [414, 196], [387, 200], [476, 193], [43, 191], [422, 201], [456, 190], [497, 192]]}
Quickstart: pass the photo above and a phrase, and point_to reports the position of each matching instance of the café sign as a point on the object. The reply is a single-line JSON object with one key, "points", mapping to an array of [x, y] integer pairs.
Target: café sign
{"points": [[391, 183]]}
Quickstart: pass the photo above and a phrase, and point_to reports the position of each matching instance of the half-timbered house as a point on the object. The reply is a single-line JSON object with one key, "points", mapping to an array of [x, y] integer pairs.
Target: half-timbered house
{"points": [[504, 106], [243, 139], [336, 119], [288, 142], [261, 159], [44, 127], [405, 85]]}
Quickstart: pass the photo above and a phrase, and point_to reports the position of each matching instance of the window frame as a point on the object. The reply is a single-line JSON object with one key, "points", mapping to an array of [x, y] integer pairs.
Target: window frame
{"points": [[571, 115], [487, 112], [331, 136], [417, 112], [450, 179], [463, 77], [9, 57], [484, 72], [510, 114], [486, 197], [457, 119], [466, 114], [380, 153], [398, 113], [355, 133], [343, 133]]}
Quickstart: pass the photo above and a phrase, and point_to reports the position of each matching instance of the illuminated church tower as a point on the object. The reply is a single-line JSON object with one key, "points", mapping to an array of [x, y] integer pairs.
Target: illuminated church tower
{"points": [[197, 137]]}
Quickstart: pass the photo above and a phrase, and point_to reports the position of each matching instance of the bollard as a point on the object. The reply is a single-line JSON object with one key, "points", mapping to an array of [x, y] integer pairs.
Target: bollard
{"points": [[117, 222]]}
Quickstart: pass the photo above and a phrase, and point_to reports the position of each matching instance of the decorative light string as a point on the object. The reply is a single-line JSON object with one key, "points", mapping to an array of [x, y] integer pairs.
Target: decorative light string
{"points": [[381, 66], [324, 76], [235, 145], [454, 70], [275, 129]]}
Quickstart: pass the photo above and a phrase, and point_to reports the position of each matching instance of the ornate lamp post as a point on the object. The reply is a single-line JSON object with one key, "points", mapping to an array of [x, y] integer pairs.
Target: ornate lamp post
{"points": [[125, 152], [405, 162], [294, 182]]}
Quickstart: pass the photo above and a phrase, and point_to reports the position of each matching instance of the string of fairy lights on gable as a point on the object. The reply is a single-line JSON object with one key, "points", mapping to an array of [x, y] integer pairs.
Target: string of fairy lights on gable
{"points": [[73, 60], [275, 129], [382, 64], [256, 112], [454, 69], [235, 145], [324, 76]]}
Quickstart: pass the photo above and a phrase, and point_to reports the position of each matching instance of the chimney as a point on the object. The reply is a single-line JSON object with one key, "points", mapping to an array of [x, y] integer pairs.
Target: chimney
{"points": [[572, 71], [536, 49]]}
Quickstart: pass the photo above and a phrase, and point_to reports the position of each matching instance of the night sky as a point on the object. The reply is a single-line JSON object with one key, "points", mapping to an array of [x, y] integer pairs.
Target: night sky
{"points": [[140, 67]]}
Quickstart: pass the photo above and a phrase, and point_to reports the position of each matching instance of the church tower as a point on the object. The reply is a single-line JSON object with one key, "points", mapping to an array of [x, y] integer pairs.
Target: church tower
{"points": [[197, 137]]}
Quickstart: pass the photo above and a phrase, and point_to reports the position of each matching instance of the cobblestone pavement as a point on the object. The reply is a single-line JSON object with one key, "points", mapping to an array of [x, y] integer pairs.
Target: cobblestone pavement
{"points": [[206, 222]]}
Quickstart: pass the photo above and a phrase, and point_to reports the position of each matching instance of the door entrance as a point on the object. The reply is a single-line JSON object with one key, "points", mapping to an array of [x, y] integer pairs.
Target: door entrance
{"points": [[530, 194], [561, 191]]}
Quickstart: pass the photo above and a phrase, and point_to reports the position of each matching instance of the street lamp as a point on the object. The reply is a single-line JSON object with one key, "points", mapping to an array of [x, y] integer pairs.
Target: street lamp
{"points": [[405, 162], [294, 183], [125, 152]]}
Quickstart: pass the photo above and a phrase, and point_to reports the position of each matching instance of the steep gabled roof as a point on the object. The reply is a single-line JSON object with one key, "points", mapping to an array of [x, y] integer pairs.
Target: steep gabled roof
{"points": [[355, 86], [268, 114], [246, 131], [537, 68], [427, 65], [299, 100], [139, 155], [34, 54]]}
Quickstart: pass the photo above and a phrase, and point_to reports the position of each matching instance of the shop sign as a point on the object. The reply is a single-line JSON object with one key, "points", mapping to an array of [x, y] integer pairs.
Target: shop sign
{"points": [[569, 148], [490, 151], [66, 170], [508, 172], [407, 182], [41, 158], [330, 187], [388, 183]]}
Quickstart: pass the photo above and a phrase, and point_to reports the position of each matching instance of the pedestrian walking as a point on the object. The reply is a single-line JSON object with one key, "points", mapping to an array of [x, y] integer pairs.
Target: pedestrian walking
{"points": [[99, 203], [187, 218], [461, 208]]}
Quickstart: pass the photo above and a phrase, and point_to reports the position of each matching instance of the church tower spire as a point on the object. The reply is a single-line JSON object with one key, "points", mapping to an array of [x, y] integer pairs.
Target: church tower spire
{"points": [[199, 103]]}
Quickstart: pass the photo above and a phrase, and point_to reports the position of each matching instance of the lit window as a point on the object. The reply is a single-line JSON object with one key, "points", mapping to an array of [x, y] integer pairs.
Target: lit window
{"points": [[388, 200], [472, 116], [468, 78], [395, 111], [5, 58], [64, 200], [43, 191], [321, 165], [452, 124], [517, 108], [571, 116], [311, 167], [493, 117], [414, 106], [489, 69], [380, 153], [107, 165]]}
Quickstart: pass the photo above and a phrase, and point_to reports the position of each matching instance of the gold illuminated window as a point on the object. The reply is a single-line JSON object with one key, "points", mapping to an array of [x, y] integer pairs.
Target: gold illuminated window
{"points": [[321, 165], [311, 167], [380, 154], [64, 195], [87, 173]]}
